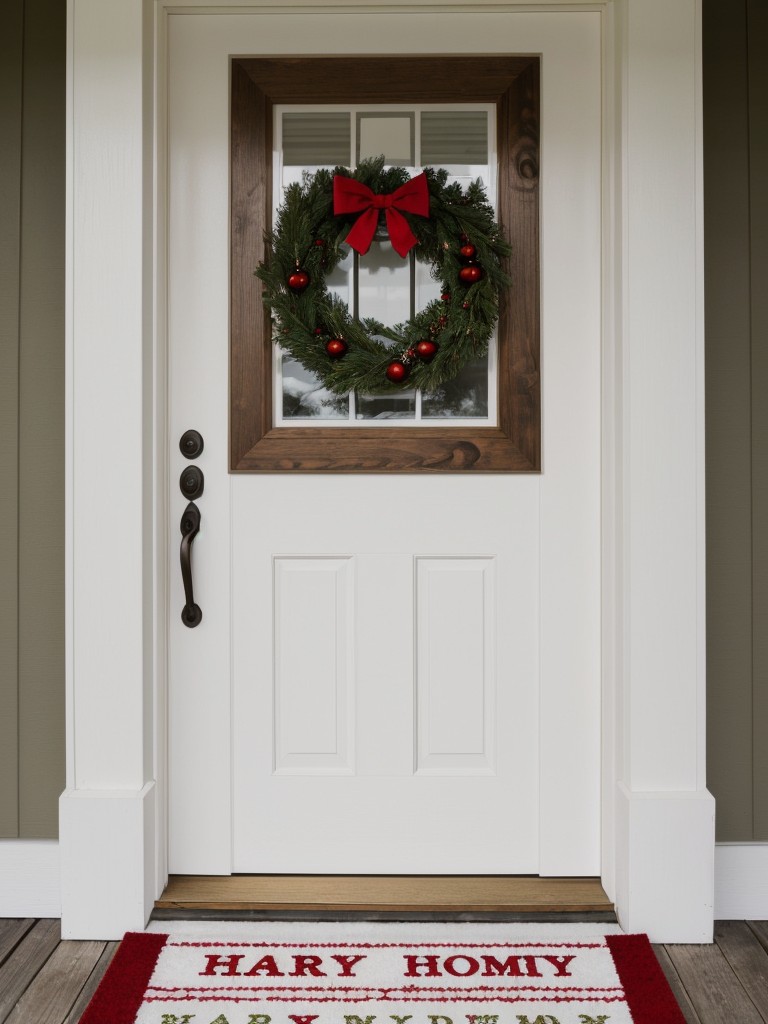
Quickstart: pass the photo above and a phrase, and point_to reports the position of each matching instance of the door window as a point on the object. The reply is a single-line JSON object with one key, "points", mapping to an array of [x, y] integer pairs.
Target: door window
{"points": [[339, 108], [382, 285]]}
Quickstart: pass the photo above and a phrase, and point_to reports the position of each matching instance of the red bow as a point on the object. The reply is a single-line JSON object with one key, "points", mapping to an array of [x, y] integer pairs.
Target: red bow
{"points": [[350, 196]]}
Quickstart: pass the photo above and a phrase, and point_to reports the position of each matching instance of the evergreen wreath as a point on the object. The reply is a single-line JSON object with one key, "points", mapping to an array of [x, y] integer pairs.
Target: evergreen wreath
{"points": [[456, 235]]}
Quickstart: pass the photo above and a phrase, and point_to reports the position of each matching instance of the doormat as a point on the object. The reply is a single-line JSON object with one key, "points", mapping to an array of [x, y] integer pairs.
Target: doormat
{"points": [[364, 973]]}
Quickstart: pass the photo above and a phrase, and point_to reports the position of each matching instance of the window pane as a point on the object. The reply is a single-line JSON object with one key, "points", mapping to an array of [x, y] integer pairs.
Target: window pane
{"points": [[386, 407], [387, 135], [316, 139], [381, 284], [384, 284], [464, 397], [454, 137], [305, 397]]}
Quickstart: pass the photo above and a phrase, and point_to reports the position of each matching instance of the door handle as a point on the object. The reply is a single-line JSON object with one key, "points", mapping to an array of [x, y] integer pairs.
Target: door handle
{"points": [[191, 614]]}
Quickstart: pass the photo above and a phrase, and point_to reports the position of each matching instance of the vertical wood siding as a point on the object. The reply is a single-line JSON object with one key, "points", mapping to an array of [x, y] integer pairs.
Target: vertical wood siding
{"points": [[32, 126], [10, 192], [757, 62], [736, 269]]}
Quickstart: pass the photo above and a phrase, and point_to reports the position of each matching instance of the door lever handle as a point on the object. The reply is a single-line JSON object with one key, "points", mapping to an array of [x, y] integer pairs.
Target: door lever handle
{"points": [[190, 527]]}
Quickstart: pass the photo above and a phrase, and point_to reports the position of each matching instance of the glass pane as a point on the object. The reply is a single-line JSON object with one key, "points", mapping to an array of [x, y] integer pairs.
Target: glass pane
{"points": [[386, 407], [316, 139], [454, 137], [384, 285], [304, 396], [464, 397], [387, 135]]}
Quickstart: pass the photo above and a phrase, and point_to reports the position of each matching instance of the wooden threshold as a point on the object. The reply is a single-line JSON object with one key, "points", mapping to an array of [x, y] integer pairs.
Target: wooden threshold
{"points": [[501, 894]]}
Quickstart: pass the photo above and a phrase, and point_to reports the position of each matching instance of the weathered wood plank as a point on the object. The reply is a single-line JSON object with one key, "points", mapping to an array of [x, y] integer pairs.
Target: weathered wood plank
{"points": [[52, 993], [715, 991], [12, 931], [682, 997], [91, 984], [18, 972], [760, 931], [748, 959]]}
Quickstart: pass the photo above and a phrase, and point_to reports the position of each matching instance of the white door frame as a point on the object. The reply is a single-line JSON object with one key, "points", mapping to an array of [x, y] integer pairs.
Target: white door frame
{"points": [[658, 818]]}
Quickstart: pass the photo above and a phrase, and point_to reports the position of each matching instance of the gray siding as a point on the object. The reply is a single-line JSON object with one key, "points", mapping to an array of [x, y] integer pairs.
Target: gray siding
{"points": [[736, 262], [32, 111]]}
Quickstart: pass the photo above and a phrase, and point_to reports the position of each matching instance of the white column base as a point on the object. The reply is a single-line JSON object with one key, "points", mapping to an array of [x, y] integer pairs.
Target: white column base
{"points": [[665, 850], [107, 861]]}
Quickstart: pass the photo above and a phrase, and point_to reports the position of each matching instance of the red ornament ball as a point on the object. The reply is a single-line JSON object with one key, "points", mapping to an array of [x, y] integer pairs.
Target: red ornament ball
{"points": [[298, 280], [446, 296], [465, 305], [336, 347], [470, 274], [427, 350], [397, 372], [467, 252]]}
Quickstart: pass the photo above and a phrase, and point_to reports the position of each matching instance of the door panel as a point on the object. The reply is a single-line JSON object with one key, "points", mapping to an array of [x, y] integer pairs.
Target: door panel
{"points": [[382, 679], [363, 693]]}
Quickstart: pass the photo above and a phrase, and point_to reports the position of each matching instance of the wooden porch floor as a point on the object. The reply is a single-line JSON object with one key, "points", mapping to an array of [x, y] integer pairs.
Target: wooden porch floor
{"points": [[46, 981]]}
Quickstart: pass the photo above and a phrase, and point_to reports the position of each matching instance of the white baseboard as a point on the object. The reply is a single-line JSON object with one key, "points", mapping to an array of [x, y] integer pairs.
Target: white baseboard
{"points": [[30, 883], [741, 881]]}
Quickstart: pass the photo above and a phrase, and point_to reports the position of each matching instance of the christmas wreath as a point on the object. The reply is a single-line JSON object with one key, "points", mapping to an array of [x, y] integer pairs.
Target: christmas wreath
{"points": [[450, 228]]}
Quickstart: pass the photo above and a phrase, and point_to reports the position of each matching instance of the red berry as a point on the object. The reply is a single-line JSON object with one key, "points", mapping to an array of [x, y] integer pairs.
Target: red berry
{"points": [[467, 252], [446, 296]]}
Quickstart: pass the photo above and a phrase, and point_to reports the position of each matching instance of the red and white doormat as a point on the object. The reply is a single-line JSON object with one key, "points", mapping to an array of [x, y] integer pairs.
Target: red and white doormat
{"points": [[361, 973]]}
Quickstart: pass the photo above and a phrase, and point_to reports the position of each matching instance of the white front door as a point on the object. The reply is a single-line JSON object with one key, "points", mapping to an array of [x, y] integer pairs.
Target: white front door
{"points": [[394, 674]]}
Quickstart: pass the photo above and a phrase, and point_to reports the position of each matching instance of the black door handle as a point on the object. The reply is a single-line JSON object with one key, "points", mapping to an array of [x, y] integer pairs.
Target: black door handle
{"points": [[190, 527]]}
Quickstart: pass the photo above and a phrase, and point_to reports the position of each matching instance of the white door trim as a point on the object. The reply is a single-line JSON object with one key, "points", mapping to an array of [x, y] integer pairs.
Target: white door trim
{"points": [[654, 801]]}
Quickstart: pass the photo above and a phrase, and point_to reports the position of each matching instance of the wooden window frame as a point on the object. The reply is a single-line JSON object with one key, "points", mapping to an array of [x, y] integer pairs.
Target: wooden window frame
{"points": [[258, 83]]}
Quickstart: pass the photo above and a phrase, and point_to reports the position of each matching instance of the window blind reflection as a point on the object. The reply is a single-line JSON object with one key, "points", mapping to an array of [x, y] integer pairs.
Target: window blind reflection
{"points": [[454, 137], [316, 139]]}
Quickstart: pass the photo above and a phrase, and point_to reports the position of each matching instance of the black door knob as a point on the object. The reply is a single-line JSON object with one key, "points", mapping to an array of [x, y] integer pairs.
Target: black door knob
{"points": [[192, 482], [191, 444]]}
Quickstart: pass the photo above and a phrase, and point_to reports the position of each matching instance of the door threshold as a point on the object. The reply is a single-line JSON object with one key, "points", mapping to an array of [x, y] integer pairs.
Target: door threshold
{"points": [[391, 895]]}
